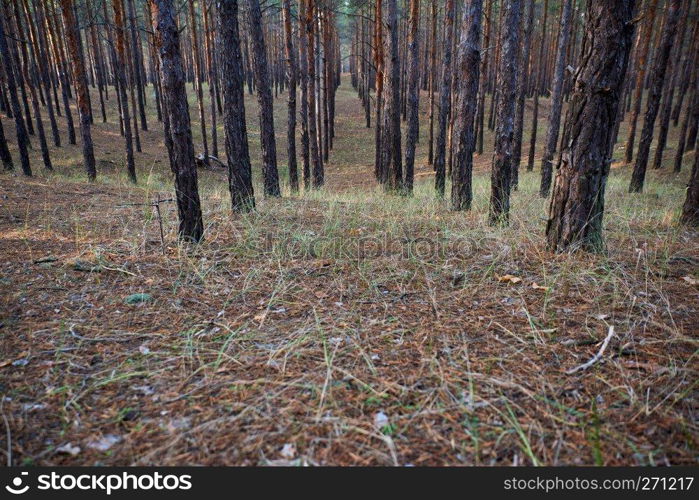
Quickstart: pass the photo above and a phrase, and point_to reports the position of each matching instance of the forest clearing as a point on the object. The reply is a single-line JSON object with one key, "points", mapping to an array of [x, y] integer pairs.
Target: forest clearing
{"points": [[351, 309]]}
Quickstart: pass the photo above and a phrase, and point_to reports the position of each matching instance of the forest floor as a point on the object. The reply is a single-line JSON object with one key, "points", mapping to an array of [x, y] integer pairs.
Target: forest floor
{"points": [[339, 327]]}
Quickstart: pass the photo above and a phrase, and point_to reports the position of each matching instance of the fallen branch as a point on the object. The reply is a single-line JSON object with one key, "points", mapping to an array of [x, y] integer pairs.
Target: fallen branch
{"points": [[597, 356], [76, 335]]}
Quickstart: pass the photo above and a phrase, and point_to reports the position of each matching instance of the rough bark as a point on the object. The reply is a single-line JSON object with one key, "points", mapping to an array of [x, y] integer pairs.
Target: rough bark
{"points": [[482, 86], [444, 101], [317, 173], [82, 91], [291, 106], [181, 148], [303, 67], [264, 99], [413, 98], [232, 86], [537, 85], [469, 59], [392, 145], [522, 82], [380, 170], [501, 172], [577, 201], [433, 64]]}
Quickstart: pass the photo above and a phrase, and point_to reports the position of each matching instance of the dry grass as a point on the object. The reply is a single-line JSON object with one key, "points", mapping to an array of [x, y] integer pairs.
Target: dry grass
{"points": [[301, 323]]}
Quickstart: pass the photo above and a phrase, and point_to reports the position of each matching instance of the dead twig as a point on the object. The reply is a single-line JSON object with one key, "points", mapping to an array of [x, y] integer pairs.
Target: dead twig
{"points": [[597, 356]]}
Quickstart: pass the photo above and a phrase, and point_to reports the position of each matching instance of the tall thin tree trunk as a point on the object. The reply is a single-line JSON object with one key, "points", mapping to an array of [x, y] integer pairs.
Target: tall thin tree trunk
{"points": [[537, 85], [501, 172], [522, 93], [468, 65], [669, 89], [291, 121], [482, 86], [23, 143], [178, 125], [232, 86], [644, 40], [212, 76], [444, 101], [392, 146], [413, 105], [694, 105], [379, 168], [198, 77], [433, 64], [119, 25], [83, 94], [303, 65], [653, 101], [264, 99], [317, 173], [554, 121], [690, 208]]}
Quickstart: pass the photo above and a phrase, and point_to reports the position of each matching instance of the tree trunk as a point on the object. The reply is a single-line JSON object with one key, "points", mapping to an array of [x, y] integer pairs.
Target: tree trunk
{"points": [[379, 168], [181, 148], [653, 101], [317, 173], [198, 77], [537, 85], [31, 76], [41, 57], [690, 209], [5, 155], [56, 41], [469, 55], [644, 41], [501, 173], [83, 94], [232, 86], [554, 122], [522, 94], [119, 15], [392, 146], [444, 101], [483, 84], [303, 64], [22, 136], [413, 105], [577, 202], [291, 75], [433, 64], [669, 89], [693, 106], [264, 99], [209, 48]]}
